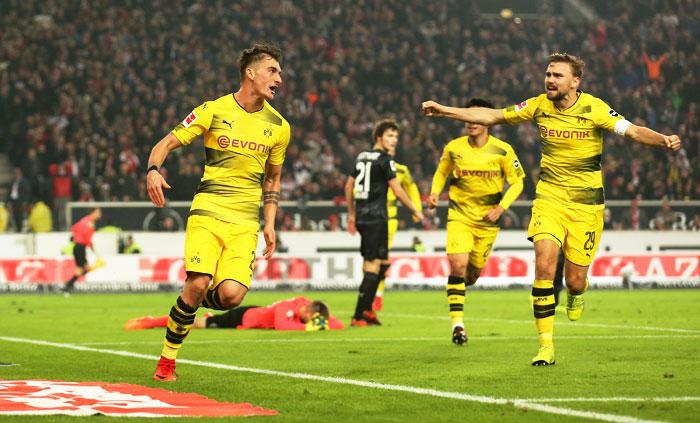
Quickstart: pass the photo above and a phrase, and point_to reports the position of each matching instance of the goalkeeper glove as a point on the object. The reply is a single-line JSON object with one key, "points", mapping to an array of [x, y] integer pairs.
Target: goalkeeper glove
{"points": [[317, 322]]}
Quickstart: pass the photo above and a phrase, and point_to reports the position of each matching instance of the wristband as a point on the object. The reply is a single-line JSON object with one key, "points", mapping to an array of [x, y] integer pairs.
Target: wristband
{"points": [[154, 167]]}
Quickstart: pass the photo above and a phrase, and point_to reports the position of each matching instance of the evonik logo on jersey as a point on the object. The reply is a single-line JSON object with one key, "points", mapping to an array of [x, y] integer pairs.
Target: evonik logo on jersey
{"points": [[225, 142], [478, 173], [558, 133]]}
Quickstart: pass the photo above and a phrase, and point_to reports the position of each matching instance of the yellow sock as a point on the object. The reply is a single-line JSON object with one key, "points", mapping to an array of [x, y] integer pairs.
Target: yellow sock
{"points": [[180, 322], [455, 298], [380, 289], [543, 306]]}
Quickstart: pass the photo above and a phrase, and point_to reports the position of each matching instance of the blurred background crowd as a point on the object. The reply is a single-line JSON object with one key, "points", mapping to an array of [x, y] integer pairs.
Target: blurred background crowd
{"points": [[87, 87]]}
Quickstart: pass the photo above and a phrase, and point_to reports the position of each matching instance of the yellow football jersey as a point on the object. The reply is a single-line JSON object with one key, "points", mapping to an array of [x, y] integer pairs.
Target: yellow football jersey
{"points": [[237, 144], [409, 185], [478, 178], [572, 147]]}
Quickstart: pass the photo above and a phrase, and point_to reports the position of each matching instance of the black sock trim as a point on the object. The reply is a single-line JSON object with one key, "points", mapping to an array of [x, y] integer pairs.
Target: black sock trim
{"points": [[454, 280], [542, 292], [182, 305], [456, 307], [461, 292]]}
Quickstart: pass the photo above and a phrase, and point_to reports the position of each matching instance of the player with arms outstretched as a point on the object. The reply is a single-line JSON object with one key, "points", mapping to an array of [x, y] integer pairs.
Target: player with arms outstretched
{"points": [[245, 140], [568, 209], [366, 193], [480, 165]]}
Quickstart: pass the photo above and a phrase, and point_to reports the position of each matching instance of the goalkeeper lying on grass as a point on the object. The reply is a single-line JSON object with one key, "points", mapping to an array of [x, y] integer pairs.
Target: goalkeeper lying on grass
{"points": [[297, 313]]}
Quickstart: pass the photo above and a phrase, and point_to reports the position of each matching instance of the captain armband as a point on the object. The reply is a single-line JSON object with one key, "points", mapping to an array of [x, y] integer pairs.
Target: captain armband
{"points": [[271, 197], [621, 126]]}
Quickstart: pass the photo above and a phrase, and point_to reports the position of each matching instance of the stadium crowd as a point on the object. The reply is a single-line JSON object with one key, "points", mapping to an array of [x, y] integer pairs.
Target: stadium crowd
{"points": [[87, 88]]}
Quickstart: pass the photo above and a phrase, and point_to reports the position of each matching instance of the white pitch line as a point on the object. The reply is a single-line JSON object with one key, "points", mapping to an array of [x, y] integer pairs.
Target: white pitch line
{"points": [[234, 340], [373, 385], [530, 322], [614, 399]]}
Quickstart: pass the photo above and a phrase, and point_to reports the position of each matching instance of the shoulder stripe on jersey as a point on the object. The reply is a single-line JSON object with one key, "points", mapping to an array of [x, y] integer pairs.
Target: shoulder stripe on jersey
{"points": [[492, 149], [267, 115]]}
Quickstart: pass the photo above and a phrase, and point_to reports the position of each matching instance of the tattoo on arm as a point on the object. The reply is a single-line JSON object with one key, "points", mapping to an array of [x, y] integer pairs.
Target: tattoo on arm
{"points": [[271, 197]]}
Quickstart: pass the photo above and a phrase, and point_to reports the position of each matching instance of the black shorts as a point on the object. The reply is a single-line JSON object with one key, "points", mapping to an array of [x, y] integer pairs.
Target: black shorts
{"points": [[375, 240], [230, 319], [79, 255]]}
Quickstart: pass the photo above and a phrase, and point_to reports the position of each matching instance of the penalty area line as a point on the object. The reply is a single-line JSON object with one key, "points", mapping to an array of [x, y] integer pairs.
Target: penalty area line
{"points": [[522, 404]]}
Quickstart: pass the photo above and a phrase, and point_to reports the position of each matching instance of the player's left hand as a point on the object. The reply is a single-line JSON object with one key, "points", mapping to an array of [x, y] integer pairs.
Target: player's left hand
{"points": [[352, 229], [494, 214], [270, 241], [672, 142]]}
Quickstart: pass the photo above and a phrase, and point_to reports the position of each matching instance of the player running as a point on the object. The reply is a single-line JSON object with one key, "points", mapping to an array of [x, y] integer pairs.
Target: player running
{"points": [[366, 194], [82, 231], [245, 140], [568, 209], [298, 313], [403, 174], [480, 165]]}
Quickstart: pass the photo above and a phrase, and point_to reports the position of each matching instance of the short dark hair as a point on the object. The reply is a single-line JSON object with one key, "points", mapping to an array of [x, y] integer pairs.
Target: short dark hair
{"points": [[258, 51], [319, 307], [479, 102], [382, 126], [576, 63]]}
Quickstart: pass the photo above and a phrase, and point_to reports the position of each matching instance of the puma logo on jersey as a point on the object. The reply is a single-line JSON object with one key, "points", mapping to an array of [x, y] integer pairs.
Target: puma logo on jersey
{"points": [[230, 125]]}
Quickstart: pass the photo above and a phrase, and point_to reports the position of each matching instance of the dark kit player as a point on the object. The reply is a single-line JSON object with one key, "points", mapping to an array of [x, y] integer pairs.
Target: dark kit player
{"points": [[365, 192]]}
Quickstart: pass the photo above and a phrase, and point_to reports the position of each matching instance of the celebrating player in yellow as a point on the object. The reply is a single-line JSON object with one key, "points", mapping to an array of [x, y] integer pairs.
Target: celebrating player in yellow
{"points": [[403, 174], [568, 209], [245, 140], [480, 165]]}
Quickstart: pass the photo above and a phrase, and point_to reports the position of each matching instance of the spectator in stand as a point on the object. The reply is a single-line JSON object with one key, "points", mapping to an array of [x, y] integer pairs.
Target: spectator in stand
{"points": [[62, 180], [81, 83], [40, 218], [4, 217], [634, 218], [665, 218], [18, 199]]}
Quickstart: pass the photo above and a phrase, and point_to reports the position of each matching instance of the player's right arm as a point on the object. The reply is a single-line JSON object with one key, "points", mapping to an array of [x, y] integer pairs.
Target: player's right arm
{"points": [[480, 115], [440, 177], [350, 201], [401, 195], [194, 125], [154, 180]]}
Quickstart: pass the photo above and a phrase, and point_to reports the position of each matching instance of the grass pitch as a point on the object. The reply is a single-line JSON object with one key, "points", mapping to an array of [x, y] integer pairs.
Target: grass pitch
{"points": [[633, 355]]}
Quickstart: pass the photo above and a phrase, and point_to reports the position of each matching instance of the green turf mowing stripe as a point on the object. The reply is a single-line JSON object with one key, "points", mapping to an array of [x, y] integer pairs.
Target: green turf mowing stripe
{"points": [[372, 385]]}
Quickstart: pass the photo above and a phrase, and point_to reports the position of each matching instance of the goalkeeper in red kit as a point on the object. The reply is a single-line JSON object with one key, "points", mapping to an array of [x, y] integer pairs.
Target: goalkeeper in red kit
{"points": [[294, 314]]}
